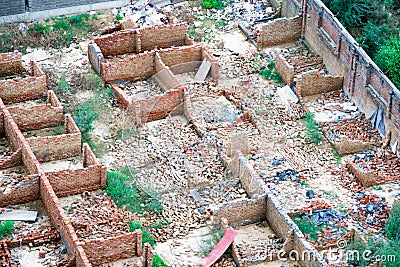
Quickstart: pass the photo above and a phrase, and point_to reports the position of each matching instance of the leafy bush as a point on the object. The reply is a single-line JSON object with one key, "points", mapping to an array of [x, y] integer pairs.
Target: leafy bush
{"points": [[6, 228], [147, 237], [158, 262], [393, 223], [388, 59], [84, 116], [269, 73], [373, 37], [312, 129], [63, 86]]}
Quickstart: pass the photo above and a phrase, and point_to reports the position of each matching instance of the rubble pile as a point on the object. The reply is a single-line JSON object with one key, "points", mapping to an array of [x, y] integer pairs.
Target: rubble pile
{"points": [[266, 250], [11, 177], [234, 65], [370, 213], [47, 254], [96, 216], [385, 166], [358, 128], [141, 89], [142, 14], [304, 62], [223, 191], [5, 255], [350, 181], [200, 89], [16, 76]]}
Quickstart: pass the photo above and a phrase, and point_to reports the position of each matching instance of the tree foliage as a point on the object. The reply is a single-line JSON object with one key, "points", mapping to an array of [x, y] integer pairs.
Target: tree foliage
{"points": [[388, 59]]}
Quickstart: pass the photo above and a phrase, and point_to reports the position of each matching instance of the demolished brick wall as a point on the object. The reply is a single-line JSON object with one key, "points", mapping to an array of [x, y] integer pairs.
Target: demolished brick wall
{"points": [[279, 31], [313, 82]]}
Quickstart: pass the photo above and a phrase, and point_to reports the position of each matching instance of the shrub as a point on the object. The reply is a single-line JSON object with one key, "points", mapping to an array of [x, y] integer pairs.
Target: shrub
{"points": [[307, 227], [158, 262], [269, 73], [63, 86], [6, 228], [312, 129], [388, 59], [84, 116]]}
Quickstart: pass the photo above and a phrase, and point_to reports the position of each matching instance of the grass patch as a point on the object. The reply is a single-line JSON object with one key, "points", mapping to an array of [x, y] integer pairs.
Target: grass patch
{"points": [[58, 130], [312, 130], [393, 223], [6, 228], [84, 115], [307, 227], [208, 241], [63, 86], [124, 190], [158, 262]]}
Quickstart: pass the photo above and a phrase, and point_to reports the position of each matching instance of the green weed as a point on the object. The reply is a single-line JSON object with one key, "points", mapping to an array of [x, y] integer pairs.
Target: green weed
{"points": [[63, 87], [84, 115], [337, 157], [6, 228], [307, 227], [312, 129], [147, 237], [158, 262]]}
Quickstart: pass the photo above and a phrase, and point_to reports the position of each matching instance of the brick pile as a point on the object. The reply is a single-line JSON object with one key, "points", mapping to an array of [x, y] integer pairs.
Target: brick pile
{"points": [[5, 255], [375, 168]]}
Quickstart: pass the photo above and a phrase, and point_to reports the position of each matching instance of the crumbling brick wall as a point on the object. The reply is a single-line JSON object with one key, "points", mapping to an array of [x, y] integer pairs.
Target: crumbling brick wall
{"points": [[313, 82], [114, 248], [242, 211], [118, 43], [366, 178], [279, 31], [24, 192], [15, 159], [285, 70], [39, 116]]}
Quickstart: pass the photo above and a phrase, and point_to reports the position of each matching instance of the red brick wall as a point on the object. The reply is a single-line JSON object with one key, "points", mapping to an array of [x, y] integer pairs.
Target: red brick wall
{"points": [[163, 36], [156, 108], [72, 182], [140, 66], [25, 192], [48, 148], [179, 55], [148, 255], [118, 43], [279, 31], [88, 157], [39, 116], [313, 82], [10, 63], [13, 160], [121, 96], [112, 249], [285, 70]]}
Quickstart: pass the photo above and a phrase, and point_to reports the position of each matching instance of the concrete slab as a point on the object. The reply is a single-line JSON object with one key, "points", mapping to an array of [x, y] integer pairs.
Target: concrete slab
{"points": [[203, 71], [18, 215]]}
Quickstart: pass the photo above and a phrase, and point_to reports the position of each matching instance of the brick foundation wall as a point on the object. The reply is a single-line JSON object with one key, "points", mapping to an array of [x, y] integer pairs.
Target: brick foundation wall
{"points": [[10, 62], [163, 36], [118, 43], [285, 70], [366, 178], [115, 248], [39, 116], [313, 82], [279, 31], [148, 255], [242, 211], [120, 95], [166, 79], [179, 55], [72, 182], [157, 107], [140, 66]]}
